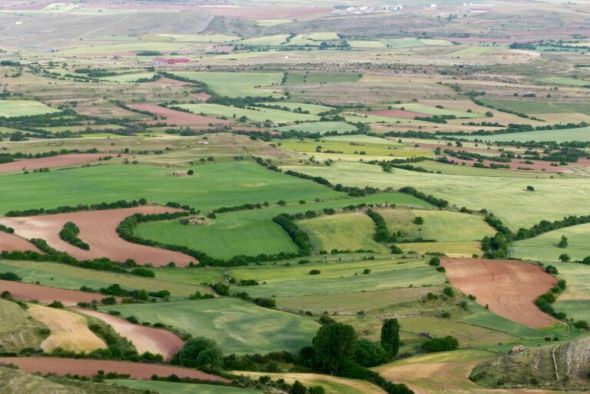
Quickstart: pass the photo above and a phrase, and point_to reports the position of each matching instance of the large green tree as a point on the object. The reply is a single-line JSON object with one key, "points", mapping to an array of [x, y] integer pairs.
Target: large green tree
{"points": [[390, 336], [334, 345]]}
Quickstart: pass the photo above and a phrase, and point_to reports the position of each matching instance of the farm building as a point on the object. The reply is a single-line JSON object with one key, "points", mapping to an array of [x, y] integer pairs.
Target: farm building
{"points": [[167, 61]]}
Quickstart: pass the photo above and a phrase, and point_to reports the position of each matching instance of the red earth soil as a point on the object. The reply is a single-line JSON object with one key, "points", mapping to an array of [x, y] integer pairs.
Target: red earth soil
{"points": [[98, 229], [89, 368], [179, 118], [51, 162], [508, 287], [12, 243], [46, 295], [397, 113], [145, 339]]}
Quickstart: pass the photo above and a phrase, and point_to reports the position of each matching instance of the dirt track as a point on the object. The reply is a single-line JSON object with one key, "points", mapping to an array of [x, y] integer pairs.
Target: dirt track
{"points": [[51, 162], [508, 287], [145, 339], [86, 367], [98, 229], [46, 295], [11, 243], [179, 118]]}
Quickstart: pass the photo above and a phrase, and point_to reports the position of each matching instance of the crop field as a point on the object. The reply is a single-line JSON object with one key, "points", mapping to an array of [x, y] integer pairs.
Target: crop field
{"points": [[234, 233], [507, 197], [237, 326], [237, 84], [68, 330], [180, 388], [212, 186], [15, 108], [264, 148], [258, 114]]}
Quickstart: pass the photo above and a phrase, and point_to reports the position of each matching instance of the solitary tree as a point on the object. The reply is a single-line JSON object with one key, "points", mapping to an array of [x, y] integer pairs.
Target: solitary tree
{"points": [[334, 344], [390, 336], [563, 242]]}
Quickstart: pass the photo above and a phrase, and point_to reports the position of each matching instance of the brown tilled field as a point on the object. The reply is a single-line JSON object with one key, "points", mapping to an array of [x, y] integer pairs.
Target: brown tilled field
{"points": [[12, 243], [98, 229], [89, 368], [44, 294], [51, 162], [145, 339], [508, 287], [180, 118]]}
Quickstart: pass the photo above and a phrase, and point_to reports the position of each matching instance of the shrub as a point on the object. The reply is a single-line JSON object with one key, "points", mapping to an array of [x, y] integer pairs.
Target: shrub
{"points": [[369, 354], [390, 336], [10, 276], [56, 304], [315, 272], [199, 353], [435, 261], [441, 344]]}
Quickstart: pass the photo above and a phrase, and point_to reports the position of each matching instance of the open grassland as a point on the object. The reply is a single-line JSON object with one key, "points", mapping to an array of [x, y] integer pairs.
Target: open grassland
{"points": [[15, 108], [252, 232], [544, 247], [575, 300], [451, 169], [236, 84], [313, 78], [506, 197], [562, 135], [18, 330], [163, 387], [349, 231], [70, 277], [68, 330], [128, 77], [251, 114], [568, 81], [272, 40], [302, 107], [212, 186], [338, 277], [411, 42], [108, 49], [198, 38], [331, 384], [319, 127], [237, 326]]}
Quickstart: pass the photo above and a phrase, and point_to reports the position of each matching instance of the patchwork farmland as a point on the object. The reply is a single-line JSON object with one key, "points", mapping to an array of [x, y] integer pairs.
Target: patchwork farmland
{"points": [[316, 198]]}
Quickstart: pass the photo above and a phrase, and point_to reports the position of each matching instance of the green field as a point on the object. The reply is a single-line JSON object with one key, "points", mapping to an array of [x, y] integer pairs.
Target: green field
{"points": [[180, 388], [251, 232], [565, 81], [544, 247], [69, 277], [319, 127], [15, 108], [237, 84], [237, 326], [426, 109], [575, 300], [273, 40], [562, 135], [252, 114], [344, 278], [17, 329], [504, 196], [314, 109], [410, 42], [211, 186], [198, 38], [538, 107], [349, 231], [295, 78], [128, 77]]}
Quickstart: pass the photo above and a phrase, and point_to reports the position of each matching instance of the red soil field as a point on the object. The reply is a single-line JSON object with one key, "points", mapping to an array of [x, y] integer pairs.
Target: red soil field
{"points": [[179, 118], [508, 287], [397, 113], [145, 339], [12, 243], [98, 229], [51, 162], [89, 368], [46, 295]]}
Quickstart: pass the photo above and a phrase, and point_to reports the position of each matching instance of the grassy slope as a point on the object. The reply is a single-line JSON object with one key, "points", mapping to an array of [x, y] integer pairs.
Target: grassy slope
{"points": [[237, 326], [13, 108], [180, 388], [506, 197], [17, 329], [238, 84], [260, 114]]}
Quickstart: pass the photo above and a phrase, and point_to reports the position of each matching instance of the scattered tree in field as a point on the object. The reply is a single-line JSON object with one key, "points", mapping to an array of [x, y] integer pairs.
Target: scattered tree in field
{"points": [[190, 172], [369, 354], [563, 243], [419, 221], [298, 388], [441, 344], [390, 336], [564, 257], [435, 261], [530, 188]]}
